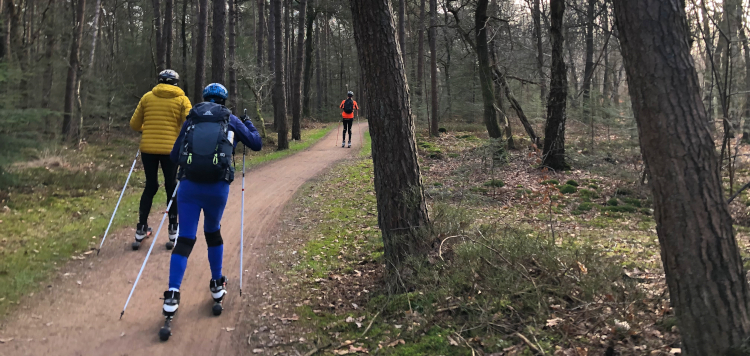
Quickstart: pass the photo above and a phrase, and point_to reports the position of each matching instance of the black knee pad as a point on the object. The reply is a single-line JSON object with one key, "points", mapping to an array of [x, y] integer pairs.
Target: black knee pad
{"points": [[184, 246], [214, 238]]}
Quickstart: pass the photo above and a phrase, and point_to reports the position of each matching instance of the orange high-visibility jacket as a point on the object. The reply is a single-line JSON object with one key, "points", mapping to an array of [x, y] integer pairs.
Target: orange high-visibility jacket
{"points": [[345, 115]]}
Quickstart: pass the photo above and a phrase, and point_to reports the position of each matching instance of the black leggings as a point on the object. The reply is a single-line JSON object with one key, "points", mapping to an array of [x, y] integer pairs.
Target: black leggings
{"points": [[347, 126], [151, 167]]}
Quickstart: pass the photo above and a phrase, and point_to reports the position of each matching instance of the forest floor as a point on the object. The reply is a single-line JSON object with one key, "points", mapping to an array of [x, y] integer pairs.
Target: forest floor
{"points": [[522, 261]]}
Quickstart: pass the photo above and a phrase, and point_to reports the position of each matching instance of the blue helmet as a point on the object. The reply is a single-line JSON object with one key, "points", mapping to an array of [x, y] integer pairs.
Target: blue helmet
{"points": [[215, 91]]}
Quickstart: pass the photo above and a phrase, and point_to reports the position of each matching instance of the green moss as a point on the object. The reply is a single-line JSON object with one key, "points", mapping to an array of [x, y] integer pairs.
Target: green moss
{"points": [[585, 206], [550, 182], [494, 183], [623, 191], [613, 202], [586, 195], [430, 149], [572, 182], [567, 189], [620, 209], [478, 190], [632, 201]]}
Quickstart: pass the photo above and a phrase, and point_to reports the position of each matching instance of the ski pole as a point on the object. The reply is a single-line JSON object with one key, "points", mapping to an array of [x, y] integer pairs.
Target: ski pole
{"points": [[118, 202], [242, 213], [166, 212], [337, 135]]}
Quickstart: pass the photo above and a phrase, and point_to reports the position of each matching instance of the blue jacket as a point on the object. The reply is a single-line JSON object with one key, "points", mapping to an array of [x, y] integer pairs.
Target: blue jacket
{"points": [[244, 132]]}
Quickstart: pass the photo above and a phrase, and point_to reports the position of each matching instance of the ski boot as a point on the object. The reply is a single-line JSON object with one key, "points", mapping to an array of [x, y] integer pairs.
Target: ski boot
{"points": [[171, 302], [343, 144], [218, 291], [141, 232], [174, 230], [349, 145]]}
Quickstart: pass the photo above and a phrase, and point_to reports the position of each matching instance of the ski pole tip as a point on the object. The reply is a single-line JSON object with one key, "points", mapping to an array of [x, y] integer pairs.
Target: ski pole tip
{"points": [[97, 251], [121, 314]]}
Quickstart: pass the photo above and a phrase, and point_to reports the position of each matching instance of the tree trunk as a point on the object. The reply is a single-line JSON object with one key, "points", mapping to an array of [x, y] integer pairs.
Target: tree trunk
{"points": [[537, 14], [218, 44], [259, 32], [503, 83], [553, 154], [702, 262], [160, 53], [200, 51], [398, 184], [307, 77], [324, 58], [272, 38], [447, 66], [588, 70], [402, 29], [420, 49], [485, 70], [288, 50], [167, 35], [231, 68], [69, 131], [94, 32], [279, 91], [49, 67], [183, 31], [297, 80], [318, 69], [433, 70]]}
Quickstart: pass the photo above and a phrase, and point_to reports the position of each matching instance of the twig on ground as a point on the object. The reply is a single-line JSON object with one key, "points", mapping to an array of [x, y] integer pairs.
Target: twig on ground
{"points": [[529, 343], [370, 325], [317, 349], [440, 249], [738, 192]]}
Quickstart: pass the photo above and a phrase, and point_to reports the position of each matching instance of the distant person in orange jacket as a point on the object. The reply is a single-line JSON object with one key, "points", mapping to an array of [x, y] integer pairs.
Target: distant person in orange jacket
{"points": [[159, 117], [348, 106]]}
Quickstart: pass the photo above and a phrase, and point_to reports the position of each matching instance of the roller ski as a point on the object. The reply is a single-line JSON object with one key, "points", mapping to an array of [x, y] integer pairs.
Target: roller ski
{"points": [[218, 291], [174, 230], [171, 302], [141, 233]]}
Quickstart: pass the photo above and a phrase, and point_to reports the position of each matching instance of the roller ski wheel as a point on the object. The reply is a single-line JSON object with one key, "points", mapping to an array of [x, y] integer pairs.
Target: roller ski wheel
{"points": [[173, 231], [137, 244], [217, 308], [218, 289], [166, 331]]}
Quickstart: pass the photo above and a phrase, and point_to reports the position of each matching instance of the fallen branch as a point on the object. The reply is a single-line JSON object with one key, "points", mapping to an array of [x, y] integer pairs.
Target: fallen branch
{"points": [[440, 249], [317, 349], [738, 192], [529, 343]]}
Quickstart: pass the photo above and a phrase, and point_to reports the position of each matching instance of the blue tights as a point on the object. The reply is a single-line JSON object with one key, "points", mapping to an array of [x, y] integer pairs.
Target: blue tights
{"points": [[191, 199]]}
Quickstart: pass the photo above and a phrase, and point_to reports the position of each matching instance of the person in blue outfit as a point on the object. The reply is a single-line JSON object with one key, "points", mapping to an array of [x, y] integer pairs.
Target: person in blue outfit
{"points": [[203, 151]]}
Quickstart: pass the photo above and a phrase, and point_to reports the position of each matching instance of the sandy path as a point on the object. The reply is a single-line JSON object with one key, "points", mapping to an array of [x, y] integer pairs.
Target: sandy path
{"points": [[78, 314]]}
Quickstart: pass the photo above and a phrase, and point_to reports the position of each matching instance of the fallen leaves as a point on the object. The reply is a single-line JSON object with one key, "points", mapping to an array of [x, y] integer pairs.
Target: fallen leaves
{"points": [[553, 322]]}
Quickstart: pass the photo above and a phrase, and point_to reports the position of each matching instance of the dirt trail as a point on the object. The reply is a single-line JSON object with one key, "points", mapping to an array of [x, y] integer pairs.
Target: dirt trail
{"points": [[78, 314]]}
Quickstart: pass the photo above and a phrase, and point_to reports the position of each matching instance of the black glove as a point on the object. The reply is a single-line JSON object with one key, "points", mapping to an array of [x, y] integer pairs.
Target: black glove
{"points": [[244, 118]]}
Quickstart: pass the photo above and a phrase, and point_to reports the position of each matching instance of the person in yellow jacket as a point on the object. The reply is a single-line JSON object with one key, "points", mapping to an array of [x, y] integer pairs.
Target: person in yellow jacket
{"points": [[159, 117]]}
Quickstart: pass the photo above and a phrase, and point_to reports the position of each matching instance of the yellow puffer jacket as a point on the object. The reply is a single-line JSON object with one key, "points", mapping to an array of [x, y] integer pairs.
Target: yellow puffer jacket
{"points": [[159, 116]]}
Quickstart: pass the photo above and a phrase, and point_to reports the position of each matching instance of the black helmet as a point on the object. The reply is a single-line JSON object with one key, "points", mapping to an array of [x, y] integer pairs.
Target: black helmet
{"points": [[169, 76], [350, 93]]}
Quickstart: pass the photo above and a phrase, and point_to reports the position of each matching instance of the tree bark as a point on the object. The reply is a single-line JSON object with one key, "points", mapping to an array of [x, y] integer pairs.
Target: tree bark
{"points": [[168, 35], [588, 70], [402, 210], [402, 29], [279, 91], [485, 71], [433, 70], [318, 70], [200, 51], [702, 262], [537, 14], [553, 154], [49, 66], [218, 44], [94, 32], [503, 83], [420, 49], [272, 37], [259, 33], [69, 131], [297, 83], [234, 105], [183, 31], [160, 53], [307, 77]]}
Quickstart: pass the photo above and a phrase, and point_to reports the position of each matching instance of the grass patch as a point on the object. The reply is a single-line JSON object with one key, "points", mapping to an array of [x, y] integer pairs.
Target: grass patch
{"points": [[308, 138], [567, 189], [496, 183], [430, 149], [572, 182], [550, 182]]}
